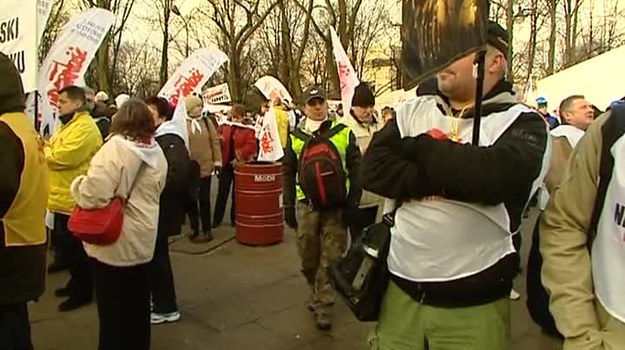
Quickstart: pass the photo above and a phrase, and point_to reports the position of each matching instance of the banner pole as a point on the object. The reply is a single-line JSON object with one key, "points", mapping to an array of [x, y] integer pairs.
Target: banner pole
{"points": [[479, 95]]}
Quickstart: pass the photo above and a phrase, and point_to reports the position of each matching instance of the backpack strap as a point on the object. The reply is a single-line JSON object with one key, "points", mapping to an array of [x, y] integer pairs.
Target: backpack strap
{"points": [[611, 131]]}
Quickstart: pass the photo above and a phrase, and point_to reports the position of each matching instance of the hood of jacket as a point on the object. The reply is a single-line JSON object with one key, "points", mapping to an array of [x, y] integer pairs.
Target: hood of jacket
{"points": [[174, 128], [149, 153], [12, 97]]}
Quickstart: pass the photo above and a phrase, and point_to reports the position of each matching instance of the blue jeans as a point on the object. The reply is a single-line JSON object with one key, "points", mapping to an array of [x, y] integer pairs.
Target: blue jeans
{"points": [[15, 327]]}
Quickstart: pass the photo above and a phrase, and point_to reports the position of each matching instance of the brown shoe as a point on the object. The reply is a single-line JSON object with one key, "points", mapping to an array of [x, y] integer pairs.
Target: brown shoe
{"points": [[311, 304], [323, 318]]}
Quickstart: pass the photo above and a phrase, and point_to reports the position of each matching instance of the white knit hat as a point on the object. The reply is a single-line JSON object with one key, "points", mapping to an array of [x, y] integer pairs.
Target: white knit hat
{"points": [[101, 96], [121, 99]]}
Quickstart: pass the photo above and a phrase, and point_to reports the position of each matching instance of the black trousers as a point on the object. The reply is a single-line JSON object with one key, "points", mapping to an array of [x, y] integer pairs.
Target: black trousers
{"points": [[162, 278], [364, 217], [203, 210], [226, 181], [80, 283], [15, 327], [123, 299]]}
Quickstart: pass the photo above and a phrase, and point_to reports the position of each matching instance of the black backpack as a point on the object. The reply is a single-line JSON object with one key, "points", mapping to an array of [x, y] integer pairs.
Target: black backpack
{"points": [[321, 175], [537, 296]]}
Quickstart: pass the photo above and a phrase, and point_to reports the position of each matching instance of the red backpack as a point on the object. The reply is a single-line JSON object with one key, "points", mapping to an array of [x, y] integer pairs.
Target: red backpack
{"points": [[321, 175]]}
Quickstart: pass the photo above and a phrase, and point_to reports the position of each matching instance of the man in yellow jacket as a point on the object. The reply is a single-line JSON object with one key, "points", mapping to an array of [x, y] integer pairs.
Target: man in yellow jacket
{"points": [[68, 154], [23, 192], [282, 120]]}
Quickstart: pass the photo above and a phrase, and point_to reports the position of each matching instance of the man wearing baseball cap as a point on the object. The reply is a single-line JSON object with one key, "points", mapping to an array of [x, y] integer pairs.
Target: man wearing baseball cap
{"points": [[451, 259], [324, 158]]}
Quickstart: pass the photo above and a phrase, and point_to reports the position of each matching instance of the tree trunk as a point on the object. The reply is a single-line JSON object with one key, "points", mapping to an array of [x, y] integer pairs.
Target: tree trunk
{"points": [[531, 54], [567, 31], [103, 65], [551, 56], [165, 48], [510, 29]]}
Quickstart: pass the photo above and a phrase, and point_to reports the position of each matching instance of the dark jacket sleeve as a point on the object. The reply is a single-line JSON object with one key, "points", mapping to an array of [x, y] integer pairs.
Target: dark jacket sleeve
{"points": [[289, 173], [384, 171], [353, 160], [11, 167], [178, 163], [468, 173]]}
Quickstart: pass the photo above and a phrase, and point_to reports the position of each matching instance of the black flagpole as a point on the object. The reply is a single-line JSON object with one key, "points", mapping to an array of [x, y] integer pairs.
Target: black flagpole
{"points": [[479, 94]]}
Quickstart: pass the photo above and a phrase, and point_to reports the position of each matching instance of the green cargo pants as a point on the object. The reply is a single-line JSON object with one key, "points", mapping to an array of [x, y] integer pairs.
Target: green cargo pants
{"points": [[321, 240], [407, 325]]}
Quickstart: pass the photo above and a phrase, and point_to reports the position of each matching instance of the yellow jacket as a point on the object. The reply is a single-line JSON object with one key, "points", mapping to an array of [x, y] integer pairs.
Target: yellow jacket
{"points": [[68, 154], [282, 119]]}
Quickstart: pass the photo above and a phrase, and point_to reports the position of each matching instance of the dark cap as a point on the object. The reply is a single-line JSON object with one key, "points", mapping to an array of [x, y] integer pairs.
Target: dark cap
{"points": [[313, 92], [498, 37], [363, 96]]}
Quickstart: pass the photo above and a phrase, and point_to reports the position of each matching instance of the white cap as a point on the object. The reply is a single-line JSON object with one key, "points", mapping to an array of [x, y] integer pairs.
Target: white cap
{"points": [[101, 96], [121, 99]]}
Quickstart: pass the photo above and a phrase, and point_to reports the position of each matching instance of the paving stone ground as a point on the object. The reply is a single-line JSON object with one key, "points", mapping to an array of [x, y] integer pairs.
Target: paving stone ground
{"points": [[237, 297]]}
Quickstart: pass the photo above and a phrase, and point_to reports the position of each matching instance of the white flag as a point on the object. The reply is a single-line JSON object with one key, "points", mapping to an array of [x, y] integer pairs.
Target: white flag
{"points": [[18, 38], [179, 120], [269, 139], [193, 73], [347, 74], [68, 59], [272, 88]]}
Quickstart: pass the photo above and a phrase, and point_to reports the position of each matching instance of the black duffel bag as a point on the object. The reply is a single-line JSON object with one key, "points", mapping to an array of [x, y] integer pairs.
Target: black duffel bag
{"points": [[362, 276]]}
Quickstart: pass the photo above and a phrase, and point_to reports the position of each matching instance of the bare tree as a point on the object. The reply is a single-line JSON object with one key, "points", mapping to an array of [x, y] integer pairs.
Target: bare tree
{"points": [[236, 21], [57, 20], [571, 19], [137, 74], [285, 38], [106, 57]]}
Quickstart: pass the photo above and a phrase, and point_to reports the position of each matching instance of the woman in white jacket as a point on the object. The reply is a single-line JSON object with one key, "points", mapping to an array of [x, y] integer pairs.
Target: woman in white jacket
{"points": [[129, 165]]}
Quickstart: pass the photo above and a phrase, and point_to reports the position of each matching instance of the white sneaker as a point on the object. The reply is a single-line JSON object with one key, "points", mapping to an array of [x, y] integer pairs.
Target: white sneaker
{"points": [[514, 295], [162, 318]]}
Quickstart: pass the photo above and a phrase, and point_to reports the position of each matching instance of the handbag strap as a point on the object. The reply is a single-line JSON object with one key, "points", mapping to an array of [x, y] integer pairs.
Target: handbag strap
{"points": [[134, 182]]}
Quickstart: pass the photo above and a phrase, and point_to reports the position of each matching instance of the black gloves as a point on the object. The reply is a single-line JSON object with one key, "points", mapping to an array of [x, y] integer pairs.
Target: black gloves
{"points": [[290, 218], [217, 170]]}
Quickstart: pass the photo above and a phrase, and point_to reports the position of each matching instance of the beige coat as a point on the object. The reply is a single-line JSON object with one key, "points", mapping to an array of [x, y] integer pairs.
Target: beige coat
{"points": [[111, 174], [566, 271], [204, 144], [364, 134]]}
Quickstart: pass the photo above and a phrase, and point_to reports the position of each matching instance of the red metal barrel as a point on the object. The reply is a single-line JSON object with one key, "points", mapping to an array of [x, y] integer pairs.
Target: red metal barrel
{"points": [[258, 191]]}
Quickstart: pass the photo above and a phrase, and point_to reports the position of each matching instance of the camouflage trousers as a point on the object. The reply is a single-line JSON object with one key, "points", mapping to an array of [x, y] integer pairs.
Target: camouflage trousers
{"points": [[321, 240]]}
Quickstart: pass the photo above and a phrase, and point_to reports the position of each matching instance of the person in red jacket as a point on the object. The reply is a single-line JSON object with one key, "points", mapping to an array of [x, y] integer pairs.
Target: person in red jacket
{"points": [[239, 145]]}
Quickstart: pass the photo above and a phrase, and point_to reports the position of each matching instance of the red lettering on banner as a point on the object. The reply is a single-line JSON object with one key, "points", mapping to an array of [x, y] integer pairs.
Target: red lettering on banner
{"points": [[266, 141], [186, 85], [65, 74], [343, 75]]}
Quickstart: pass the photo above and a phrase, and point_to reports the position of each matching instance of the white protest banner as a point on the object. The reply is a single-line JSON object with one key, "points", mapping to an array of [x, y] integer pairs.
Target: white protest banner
{"points": [[18, 38], [44, 7], [272, 88], [217, 94], [347, 74], [193, 73], [68, 59], [179, 120], [269, 139]]}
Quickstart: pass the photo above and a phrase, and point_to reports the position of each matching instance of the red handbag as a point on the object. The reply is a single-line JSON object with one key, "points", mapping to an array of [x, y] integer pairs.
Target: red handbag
{"points": [[101, 226]]}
